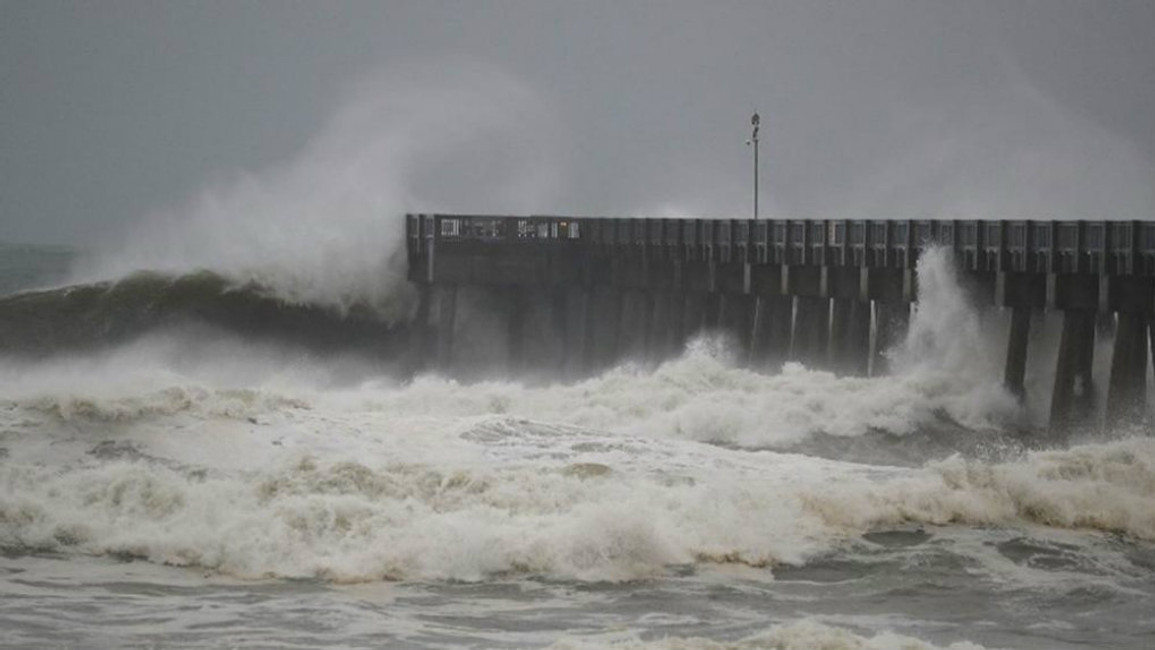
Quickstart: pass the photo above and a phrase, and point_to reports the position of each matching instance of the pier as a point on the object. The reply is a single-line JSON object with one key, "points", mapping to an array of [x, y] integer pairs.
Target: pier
{"points": [[571, 295]]}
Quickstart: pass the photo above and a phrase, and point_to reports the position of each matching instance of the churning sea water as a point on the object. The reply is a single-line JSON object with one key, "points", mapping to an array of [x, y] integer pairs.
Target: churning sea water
{"points": [[191, 489]]}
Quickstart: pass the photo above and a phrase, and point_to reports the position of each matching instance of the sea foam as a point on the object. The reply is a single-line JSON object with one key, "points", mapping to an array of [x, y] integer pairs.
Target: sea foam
{"points": [[806, 634], [559, 503]]}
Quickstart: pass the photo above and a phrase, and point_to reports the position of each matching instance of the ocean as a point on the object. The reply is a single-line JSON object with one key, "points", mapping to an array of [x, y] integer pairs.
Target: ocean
{"points": [[201, 460]]}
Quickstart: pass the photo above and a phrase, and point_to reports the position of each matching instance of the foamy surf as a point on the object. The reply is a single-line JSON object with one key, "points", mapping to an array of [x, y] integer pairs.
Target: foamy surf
{"points": [[800, 635], [435, 481]]}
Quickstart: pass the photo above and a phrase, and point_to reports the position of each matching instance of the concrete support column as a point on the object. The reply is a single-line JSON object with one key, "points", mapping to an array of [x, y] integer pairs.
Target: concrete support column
{"points": [[858, 348], [1151, 337], [1016, 367], [773, 325], [1073, 398], [694, 318], [603, 314], [634, 325], [850, 337], [891, 321], [1127, 390], [558, 327], [811, 331], [713, 310], [577, 348], [516, 304], [665, 325], [446, 321], [543, 322], [737, 321], [421, 333]]}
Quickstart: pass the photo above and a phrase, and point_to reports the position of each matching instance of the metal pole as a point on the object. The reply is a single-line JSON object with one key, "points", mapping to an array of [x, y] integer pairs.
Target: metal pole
{"points": [[755, 179], [754, 120]]}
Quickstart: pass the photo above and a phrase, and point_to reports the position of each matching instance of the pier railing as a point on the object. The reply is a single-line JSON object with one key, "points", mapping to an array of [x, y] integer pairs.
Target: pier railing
{"points": [[1104, 247]]}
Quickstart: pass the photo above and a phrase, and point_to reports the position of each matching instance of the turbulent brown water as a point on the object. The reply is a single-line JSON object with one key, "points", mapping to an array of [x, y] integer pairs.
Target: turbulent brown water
{"points": [[191, 462]]}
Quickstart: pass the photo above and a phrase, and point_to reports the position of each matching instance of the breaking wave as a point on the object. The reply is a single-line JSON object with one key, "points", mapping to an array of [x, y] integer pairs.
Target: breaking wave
{"points": [[513, 498], [106, 314]]}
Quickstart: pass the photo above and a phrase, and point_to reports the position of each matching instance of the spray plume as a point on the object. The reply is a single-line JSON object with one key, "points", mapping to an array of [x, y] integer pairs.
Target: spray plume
{"points": [[324, 228]]}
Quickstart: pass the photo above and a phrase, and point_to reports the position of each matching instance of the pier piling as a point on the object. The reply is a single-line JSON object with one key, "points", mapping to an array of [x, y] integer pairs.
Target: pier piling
{"points": [[1017, 340]]}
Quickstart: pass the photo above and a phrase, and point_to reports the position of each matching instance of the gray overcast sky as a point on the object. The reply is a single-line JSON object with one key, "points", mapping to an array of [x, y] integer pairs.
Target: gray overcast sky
{"points": [[112, 113]]}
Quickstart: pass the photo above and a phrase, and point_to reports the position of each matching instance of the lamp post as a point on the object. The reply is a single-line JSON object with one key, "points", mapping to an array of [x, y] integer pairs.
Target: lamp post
{"points": [[754, 120]]}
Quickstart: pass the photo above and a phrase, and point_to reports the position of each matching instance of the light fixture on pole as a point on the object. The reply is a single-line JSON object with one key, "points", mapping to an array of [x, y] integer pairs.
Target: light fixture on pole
{"points": [[754, 120]]}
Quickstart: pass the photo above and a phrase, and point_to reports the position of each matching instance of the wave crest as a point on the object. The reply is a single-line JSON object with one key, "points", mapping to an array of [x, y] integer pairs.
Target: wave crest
{"points": [[347, 521], [106, 314], [1106, 487]]}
